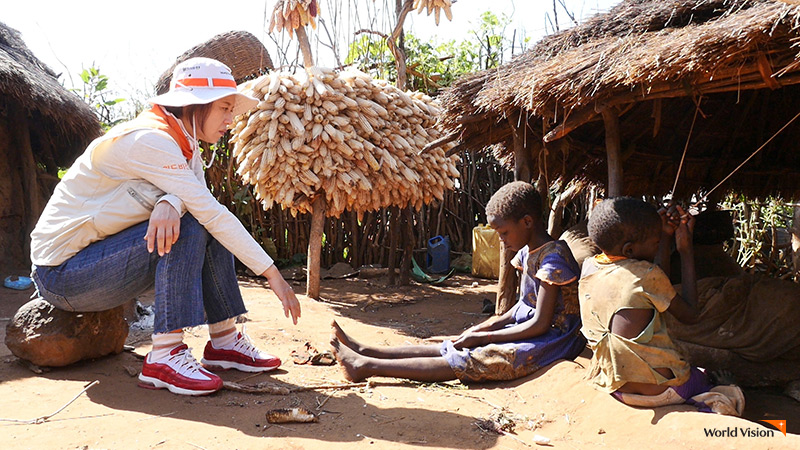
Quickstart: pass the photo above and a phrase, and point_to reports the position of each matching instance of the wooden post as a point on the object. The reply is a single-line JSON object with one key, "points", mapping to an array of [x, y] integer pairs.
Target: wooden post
{"points": [[394, 238], [796, 242], [523, 171], [32, 205], [613, 152], [402, 8], [408, 245], [507, 282], [314, 260], [315, 246], [523, 157], [355, 251], [554, 227], [305, 47]]}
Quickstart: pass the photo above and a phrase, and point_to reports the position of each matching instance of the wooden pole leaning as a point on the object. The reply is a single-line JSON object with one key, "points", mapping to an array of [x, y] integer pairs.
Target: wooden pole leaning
{"points": [[613, 152], [523, 170], [315, 246]]}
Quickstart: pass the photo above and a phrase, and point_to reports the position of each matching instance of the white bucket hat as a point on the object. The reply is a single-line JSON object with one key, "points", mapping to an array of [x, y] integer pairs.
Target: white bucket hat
{"points": [[198, 81]]}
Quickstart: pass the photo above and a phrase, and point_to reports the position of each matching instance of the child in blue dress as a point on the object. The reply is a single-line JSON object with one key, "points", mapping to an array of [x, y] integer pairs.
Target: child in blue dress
{"points": [[542, 327]]}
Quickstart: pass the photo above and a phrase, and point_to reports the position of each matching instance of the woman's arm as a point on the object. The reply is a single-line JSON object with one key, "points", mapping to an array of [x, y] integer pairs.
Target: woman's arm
{"points": [[154, 157], [284, 292]]}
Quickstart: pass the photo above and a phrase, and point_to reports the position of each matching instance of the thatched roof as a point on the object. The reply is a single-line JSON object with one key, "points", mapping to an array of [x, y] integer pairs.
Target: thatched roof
{"points": [[651, 62], [240, 50], [57, 115]]}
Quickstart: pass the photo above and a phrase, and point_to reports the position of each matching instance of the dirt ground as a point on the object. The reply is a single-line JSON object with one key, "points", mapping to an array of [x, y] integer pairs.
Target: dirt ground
{"points": [[554, 403]]}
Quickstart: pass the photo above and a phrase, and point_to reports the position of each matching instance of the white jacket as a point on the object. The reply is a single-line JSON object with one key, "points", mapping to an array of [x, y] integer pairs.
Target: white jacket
{"points": [[116, 183]]}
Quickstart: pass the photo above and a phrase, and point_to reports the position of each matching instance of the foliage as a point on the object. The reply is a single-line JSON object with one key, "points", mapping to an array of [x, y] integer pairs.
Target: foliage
{"points": [[491, 39], [95, 93], [433, 66], [762, 234], [371, 54]]}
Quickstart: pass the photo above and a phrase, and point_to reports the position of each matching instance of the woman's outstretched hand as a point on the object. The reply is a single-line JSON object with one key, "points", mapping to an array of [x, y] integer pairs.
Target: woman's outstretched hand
{"points": [[291, 306], [163, 228]]}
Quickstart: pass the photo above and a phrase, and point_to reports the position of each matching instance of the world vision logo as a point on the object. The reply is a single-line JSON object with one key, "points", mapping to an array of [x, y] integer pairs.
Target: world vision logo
{"points": [[779, 424], [733, 432]]}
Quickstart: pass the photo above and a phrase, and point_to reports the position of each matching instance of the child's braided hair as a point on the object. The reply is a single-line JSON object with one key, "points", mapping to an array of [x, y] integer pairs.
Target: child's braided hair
{"points": [[515, 200], [622, 219]]}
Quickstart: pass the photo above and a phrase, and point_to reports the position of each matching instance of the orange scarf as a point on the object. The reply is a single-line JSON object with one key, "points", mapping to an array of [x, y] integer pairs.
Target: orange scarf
{"points": [[602, 258], [158, 119]]}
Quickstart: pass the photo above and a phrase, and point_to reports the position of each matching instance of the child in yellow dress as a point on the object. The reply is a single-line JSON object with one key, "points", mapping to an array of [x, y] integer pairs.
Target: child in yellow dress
{"points": [[623, 295]]}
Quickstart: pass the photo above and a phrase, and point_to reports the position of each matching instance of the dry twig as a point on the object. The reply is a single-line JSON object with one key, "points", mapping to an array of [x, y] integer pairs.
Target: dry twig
{"points": [[268, 388], [44, 419]]}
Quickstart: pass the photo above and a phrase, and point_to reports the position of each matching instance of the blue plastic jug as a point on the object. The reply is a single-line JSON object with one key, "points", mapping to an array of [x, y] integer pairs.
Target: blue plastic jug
{"points": [[438, 260]]}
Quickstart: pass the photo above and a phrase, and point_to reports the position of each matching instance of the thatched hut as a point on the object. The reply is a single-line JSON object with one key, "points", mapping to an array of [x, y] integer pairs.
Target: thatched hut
{"points": [[622, 99], [242, 52], [43, 127], [614, 99]]}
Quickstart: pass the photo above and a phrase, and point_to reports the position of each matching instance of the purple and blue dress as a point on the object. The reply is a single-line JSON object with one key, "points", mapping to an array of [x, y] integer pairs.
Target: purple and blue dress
{"points": [[551, 263]]}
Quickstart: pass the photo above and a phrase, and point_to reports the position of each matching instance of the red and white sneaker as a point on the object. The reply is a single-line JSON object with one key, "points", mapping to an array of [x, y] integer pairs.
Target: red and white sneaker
{"points": [[242, 355], [180, 373]]}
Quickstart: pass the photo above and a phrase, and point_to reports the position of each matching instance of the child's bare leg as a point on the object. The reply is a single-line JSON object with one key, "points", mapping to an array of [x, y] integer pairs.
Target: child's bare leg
{"points": [[357, 367], [403, 351]]}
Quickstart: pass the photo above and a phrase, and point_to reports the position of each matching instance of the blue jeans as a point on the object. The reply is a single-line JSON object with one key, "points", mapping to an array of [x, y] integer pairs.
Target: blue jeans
{"points": [[194, 283]]}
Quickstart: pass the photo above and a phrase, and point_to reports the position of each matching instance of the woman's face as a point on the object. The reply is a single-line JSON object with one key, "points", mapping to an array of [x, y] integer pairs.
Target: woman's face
{"points": [[219, 118]]}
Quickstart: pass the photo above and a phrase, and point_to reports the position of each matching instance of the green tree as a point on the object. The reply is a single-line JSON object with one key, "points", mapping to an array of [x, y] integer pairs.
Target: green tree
{"points": [[96, 94], [434, 66]]}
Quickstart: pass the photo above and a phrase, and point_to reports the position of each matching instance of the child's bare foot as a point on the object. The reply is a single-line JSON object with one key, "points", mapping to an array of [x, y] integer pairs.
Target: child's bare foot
{"points": [[722, 377], [346, 340], [350, 362]]}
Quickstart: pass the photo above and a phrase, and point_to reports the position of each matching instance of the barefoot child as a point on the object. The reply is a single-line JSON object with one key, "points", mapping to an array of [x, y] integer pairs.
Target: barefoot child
{"points": [[623, 294], [542, 327]]}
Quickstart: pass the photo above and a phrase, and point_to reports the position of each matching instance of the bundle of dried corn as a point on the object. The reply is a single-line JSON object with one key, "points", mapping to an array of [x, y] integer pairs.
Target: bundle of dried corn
{"points": [[435, 7], [351, 138], [293, 14]]}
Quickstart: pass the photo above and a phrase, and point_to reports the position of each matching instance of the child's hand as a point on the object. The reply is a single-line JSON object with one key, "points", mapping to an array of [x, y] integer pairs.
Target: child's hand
{"points": [[669, 223], [470, 339], [683, 234]]}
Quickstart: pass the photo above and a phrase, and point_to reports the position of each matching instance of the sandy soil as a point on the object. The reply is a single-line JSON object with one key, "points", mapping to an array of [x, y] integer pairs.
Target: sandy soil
{"points": [[554, 403]]}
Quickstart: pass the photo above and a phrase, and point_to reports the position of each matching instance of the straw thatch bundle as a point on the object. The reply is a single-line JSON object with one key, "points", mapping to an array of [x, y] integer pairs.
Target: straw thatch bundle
{"points": [[58, 115], [242, 52], [650, 62], [701, 42], [343, 135]]}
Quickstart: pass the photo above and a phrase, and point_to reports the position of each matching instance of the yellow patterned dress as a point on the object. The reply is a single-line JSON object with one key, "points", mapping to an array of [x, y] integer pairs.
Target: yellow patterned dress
{"points": [[607, 287]]}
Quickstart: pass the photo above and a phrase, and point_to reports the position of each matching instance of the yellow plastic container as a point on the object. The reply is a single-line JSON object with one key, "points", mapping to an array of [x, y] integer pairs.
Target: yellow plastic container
{"points": [[485, 252]]}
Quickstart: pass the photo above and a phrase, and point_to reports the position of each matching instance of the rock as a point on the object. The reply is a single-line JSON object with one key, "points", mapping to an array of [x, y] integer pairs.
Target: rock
{"points": [[47, 336], [339, 270]]}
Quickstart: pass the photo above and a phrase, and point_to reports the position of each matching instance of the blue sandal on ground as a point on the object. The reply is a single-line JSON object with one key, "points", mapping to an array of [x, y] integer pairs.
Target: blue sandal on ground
{"points": [[18, 283]]}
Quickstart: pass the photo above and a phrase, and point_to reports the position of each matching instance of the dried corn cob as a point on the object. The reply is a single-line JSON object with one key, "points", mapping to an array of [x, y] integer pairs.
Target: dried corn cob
{"points": [[355, 139]]}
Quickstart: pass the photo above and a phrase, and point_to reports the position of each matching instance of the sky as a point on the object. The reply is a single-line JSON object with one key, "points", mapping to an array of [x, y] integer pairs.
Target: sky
{"points": [[134, 42]]}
